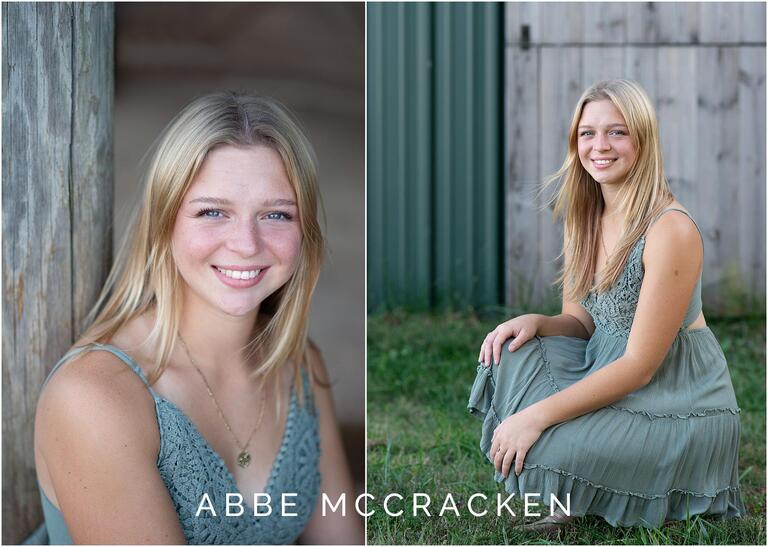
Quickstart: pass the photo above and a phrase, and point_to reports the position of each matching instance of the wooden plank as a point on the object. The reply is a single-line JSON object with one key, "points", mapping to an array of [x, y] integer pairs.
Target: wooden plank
{"points": [[522, 110], [676, 107], [601, 63], [636, 22], [644, 26], [751, 160], [518, 14], [662, 22], [36, 245], [92, 157], [720, 22], [563, 65], [604, 23], [717, 71], [753, 23], [707, 144], [640, 66], [56, 170], [561, 23], [732, 286]]}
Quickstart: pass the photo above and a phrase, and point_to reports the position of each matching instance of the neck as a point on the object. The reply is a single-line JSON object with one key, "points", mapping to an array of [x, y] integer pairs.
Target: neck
{"points": [[213, 337], [610, 199]]}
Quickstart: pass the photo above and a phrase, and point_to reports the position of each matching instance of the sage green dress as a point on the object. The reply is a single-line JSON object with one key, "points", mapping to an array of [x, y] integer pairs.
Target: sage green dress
{"points": [[663, 452], [190, 468]]}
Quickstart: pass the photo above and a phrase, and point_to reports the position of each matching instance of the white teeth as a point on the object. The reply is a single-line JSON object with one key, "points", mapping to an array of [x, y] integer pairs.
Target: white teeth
{"points": [[602, 162], [239, 274]]}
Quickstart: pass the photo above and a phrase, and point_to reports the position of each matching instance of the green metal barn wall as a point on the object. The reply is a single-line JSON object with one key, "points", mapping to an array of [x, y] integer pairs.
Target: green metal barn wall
{"points": [[434, 155]]}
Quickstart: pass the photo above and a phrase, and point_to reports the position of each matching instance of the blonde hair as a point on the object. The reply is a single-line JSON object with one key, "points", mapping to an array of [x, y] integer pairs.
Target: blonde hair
{"points": [[144, 274], [579, 201]]}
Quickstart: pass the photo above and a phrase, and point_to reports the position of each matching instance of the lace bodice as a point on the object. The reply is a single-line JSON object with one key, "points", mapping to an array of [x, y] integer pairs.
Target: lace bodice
{"points": [[614, 310], [190, 468]]}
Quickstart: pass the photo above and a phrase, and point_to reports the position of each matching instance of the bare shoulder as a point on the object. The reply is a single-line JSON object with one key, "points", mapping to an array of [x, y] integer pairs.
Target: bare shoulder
{"points": [[97, 441], [673, 224], [674, 232], [96, 395]]}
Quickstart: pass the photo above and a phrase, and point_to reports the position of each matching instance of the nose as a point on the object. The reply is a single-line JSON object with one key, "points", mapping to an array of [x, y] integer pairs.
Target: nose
{"points": [[601, 142], [245, 238]]}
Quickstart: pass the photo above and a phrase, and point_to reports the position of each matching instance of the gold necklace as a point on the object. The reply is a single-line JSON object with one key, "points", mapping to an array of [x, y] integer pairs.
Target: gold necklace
{"points": [[244, 458], [602, 237], [605, 249]]}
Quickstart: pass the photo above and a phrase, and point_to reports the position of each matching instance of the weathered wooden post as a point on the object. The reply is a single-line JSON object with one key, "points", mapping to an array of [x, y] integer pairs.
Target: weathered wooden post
{"points": [[58, 78]]}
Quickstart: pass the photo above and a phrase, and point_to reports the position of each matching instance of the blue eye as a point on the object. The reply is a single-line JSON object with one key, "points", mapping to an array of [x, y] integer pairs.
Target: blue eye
{"points": [[618, 132], [210, 213], [278, 215], [585, 133]]}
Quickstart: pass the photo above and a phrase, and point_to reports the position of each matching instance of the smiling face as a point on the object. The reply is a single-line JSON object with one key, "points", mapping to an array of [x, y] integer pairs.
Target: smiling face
{"points": [[606, 149], [237, 235]]}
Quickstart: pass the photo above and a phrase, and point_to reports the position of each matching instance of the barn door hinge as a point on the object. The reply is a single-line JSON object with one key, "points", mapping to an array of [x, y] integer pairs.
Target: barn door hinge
{"points": [[525, 37]]}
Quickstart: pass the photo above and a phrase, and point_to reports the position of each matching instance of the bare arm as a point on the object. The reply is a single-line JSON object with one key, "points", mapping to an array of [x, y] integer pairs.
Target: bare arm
{"points": [[672, 259], [574, 321], [97, 434], [334, 470]]}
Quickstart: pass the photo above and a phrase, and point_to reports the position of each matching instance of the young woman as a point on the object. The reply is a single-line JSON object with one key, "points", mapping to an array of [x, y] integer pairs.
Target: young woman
{"points": [[195, 385], [624, 400]]}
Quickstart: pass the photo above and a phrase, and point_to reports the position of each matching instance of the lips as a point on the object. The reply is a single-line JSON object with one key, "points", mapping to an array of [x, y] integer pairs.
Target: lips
{"points": [[239, 274], [602, 163], [239, 277]]}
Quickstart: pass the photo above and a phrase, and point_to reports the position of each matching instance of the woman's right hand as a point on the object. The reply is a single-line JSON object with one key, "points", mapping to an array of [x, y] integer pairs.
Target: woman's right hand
{"points": [[521, 328]]}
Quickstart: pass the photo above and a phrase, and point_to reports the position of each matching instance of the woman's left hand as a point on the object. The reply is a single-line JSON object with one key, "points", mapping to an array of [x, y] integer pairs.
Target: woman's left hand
{"points": [[512, 439]]}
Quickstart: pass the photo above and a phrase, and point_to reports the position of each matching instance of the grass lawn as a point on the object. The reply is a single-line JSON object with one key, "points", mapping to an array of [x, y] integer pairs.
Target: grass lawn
{"points": [[422, 439]]}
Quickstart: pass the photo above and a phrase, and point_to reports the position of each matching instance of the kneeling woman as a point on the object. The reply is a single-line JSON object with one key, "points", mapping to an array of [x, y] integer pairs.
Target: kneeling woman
{"points": [[195, 384], [623, 401]]}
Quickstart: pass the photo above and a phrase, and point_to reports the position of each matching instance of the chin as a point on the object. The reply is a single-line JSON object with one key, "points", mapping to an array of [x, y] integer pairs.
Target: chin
{"points": [[237, 309], [604, 179]]}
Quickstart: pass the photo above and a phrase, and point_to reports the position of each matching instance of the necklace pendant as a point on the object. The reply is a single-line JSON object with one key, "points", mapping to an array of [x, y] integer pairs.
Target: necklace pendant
{"points": [[244, 459]]}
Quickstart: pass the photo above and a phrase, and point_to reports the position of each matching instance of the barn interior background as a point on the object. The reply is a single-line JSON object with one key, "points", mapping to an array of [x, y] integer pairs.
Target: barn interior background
{"points": [[86, 90], [468, 113]]}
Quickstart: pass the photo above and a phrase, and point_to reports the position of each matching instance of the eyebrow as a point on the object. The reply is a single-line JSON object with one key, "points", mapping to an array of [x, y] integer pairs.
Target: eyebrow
{"points": [[278, 202], [609, 125]]}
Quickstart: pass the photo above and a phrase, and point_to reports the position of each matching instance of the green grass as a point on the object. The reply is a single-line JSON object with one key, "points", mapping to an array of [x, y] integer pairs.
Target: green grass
{"points": [[421, 438]]}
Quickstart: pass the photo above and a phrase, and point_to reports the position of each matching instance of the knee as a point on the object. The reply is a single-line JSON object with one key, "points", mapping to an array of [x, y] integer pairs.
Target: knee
{"points": [[520, 354]]}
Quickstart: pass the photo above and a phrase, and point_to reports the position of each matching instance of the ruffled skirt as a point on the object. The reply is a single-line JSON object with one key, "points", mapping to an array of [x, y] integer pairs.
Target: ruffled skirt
{"points": [[664, 452]]}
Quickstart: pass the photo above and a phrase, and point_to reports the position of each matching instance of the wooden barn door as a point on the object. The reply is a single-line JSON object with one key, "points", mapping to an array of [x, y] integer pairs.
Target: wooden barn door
{"points": [[703, 64]]}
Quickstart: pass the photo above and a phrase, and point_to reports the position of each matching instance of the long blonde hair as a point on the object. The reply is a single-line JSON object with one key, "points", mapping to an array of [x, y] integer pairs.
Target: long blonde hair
{"points": [[144, 274], [579, 201]]}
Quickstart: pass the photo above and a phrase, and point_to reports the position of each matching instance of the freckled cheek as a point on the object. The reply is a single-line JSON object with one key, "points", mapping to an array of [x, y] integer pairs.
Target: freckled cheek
{"points": [[287, 246], [583, 155], [190, 246], [629, 153]]}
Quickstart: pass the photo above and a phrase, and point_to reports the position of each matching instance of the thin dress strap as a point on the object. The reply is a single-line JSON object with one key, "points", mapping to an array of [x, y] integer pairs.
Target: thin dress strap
{"points": [[117, 352]]}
